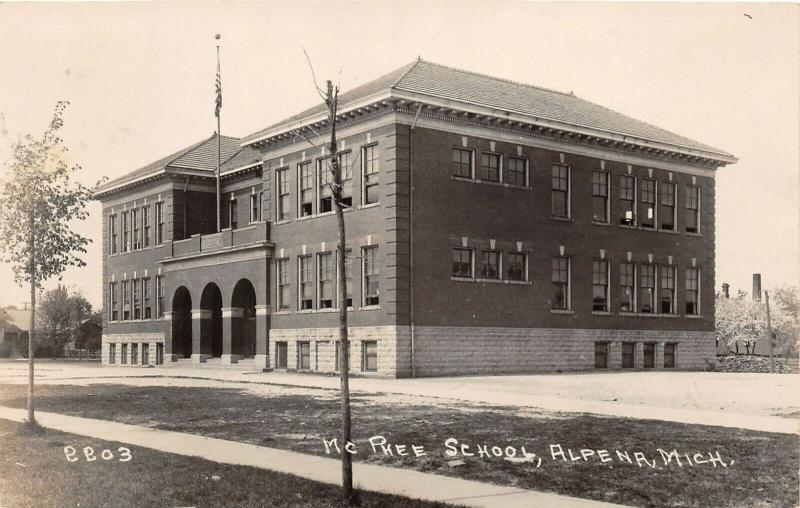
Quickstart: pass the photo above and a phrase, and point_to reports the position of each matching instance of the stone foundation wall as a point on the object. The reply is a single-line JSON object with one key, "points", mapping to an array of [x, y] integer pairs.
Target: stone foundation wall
{"points": [[152, 339], [322, 346], [443, 351]]}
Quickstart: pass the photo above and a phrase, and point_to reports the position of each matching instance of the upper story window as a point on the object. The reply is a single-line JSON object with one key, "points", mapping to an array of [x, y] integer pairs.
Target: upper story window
{"points": [[160, 296], [282, 180], [369, 164], [627, 197], [283, 284], [667, 305], [490, 264], [647, 296], [146, 225], [112, 234], [560, 190], [515, 171], [490, 167], [462, 163], [327, 280], [148, 311], [113, 314], [325, 192], [462, 263], [517, 266], [254, 215], [600, 277], [233, 214], [371, 285], [306, 282], [559, 277], [125, 233], [126, 300], [346, 169], [137, 309], [160, 223], [647, 206], [348, 275], [693, 209], [667, 212], [600, 196], [305, 177], [135, 223], [627, 284], [692, 291]]}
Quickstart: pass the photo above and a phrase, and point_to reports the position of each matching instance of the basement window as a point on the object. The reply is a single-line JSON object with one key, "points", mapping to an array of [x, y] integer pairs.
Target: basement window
{"points": [[627, 354], [369, 356]]}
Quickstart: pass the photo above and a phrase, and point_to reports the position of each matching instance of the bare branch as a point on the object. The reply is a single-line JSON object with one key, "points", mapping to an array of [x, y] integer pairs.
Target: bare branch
{"points": [[313, 76]]}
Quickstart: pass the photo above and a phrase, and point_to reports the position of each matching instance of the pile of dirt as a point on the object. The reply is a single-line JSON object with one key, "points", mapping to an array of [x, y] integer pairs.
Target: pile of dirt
{"points": [[759, 364]]}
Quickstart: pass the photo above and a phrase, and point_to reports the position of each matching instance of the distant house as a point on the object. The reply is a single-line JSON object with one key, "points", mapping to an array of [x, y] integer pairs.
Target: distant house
{"points": [[14, 328]]}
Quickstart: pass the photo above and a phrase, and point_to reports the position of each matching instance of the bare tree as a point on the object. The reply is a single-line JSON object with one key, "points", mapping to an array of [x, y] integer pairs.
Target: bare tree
{"points": [[331, 98]]}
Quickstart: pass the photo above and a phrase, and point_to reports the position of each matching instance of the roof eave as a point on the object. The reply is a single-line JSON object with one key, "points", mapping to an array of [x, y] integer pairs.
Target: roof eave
{"points": [[302, 122], [477, 108]]}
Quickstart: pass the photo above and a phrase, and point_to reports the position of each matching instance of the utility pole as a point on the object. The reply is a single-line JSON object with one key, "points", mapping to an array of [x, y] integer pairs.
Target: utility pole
{"points": [[769, 334]]}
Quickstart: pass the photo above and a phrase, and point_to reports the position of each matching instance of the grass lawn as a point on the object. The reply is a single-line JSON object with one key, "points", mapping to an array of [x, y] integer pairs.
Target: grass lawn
{"points": [[763, 467], [34, 471]]}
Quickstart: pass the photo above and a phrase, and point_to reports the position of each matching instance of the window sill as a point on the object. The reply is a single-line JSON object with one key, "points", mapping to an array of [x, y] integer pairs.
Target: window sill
{"points": [[306, 311], [519, 282], [669, 231], [370, 307], [490, 281], [628, 226], [281, 313], [693, 316], [601, 313], [601, 223], [462, 279], [561, 311], [648, 315], [693, 234], [490, 182], [368, 206], [327, 310], [280, 222], [562, 219]]}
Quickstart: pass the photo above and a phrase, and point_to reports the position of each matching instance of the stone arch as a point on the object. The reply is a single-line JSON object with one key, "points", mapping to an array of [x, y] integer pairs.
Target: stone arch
{"points": [[243, 319], [182, 323], [211, 321]]}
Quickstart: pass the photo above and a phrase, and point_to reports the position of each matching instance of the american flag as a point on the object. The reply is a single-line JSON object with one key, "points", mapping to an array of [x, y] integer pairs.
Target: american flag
{"points": [[218, 90]]}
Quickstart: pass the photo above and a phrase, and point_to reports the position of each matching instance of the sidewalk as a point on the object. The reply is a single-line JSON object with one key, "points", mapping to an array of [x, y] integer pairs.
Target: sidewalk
{"points": [[390, 480]]}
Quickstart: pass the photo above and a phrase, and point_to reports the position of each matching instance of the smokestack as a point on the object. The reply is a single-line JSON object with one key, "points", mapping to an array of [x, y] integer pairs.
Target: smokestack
{"points": [[756, 287], [726, 290]]}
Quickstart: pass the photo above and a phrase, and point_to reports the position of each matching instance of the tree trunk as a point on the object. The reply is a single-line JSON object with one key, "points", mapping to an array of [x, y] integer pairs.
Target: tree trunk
{"points": [[344, 356], [31, 332]]}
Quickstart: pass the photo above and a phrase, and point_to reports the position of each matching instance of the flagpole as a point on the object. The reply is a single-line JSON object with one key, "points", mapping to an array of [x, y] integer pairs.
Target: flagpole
{"points": [[219, 139]]}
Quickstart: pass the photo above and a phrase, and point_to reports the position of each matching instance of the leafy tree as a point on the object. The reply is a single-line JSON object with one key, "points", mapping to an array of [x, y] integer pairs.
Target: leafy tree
{"points": [[741, 320], [60, 318], [38, 201]]}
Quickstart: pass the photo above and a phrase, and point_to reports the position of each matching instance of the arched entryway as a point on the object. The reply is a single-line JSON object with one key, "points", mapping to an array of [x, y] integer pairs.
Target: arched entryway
{"points": [[211, 325], [182, 323], [243, 319]]}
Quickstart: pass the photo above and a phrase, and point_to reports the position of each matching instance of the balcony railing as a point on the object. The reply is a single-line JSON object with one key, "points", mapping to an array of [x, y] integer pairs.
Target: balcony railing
{"points": [[225, 239]]}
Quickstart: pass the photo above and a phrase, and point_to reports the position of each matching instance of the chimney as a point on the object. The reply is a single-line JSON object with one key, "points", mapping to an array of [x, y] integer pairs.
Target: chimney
{"points": [[726, 290], [756, 287]]}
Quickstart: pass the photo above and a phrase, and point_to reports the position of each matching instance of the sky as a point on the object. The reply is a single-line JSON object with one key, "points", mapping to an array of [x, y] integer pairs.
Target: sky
{"points": [[139, 78]]}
